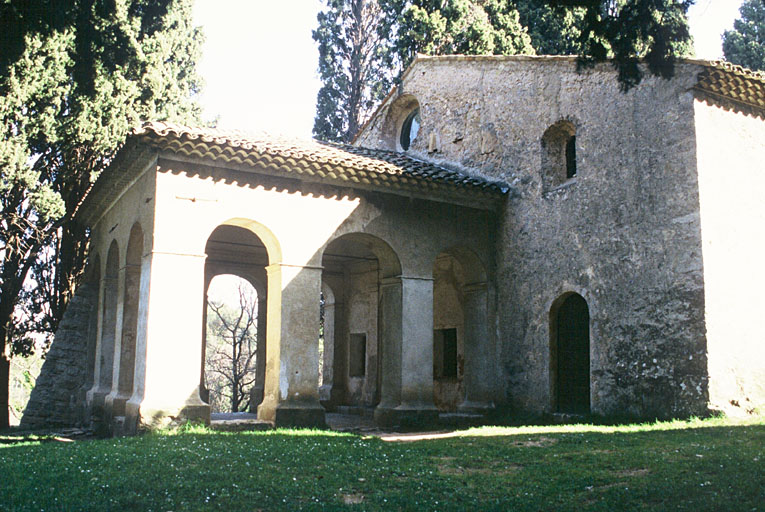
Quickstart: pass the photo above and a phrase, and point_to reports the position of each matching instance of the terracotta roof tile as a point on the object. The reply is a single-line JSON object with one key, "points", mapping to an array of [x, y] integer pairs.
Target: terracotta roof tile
{"points": [[726, 82], [310, 157]]}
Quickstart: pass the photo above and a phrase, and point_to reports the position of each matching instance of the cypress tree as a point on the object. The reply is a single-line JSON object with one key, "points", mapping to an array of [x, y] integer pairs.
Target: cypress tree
{"points": [[354, 67], [745, 44], [75, 77]]}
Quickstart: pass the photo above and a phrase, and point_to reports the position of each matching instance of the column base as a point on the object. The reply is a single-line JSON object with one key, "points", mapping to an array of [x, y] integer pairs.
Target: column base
{"points": [[331, 396], [293, 414], [469, 407], [95, 400], [405, 416], [115, 405], [256, 398]]}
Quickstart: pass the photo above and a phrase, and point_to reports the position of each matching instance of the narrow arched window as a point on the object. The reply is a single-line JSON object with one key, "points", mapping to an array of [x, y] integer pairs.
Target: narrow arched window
{"points": [[571, 157], [558, 154], [409, 129]]}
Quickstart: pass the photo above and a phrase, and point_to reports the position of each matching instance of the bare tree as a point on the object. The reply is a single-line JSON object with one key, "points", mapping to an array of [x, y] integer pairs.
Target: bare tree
{"points": [[231, 350]]}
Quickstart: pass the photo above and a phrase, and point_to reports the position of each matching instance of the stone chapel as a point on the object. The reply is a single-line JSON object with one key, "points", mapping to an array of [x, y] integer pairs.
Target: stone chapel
{"points": [[504, 234]]}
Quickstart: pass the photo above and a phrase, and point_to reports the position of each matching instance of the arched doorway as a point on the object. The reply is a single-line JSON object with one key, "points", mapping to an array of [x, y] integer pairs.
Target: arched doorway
{"points": [[570, 354], [234, 326], [356, 269]]}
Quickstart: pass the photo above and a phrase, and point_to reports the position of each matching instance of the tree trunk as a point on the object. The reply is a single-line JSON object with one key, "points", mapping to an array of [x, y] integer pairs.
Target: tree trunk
{"points": [[5, 380], [7, 296]]}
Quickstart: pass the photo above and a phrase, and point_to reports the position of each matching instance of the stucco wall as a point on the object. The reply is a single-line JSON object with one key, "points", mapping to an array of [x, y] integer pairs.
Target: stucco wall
{"points": [[624, 233], [182, 201], [731, 155]]}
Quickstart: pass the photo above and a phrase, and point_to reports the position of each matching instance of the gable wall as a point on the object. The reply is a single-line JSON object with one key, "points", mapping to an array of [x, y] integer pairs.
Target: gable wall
{"points": [[624, 233]]}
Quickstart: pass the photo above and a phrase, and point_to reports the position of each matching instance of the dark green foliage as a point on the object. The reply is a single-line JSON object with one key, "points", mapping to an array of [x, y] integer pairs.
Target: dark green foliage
{"points": [[101, 38], [75, 77], [353, 65], [631, 31], [467, 27], [745, 44], [552, 32]]}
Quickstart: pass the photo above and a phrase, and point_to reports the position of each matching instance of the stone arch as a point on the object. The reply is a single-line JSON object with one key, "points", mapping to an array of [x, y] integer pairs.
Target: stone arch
{"points": [[559, 162], [360, 270], [570, 354], [131, 299], [243, 248], [461, 342], [358, 243], [266, 236], [109, 298], [399, 112]]}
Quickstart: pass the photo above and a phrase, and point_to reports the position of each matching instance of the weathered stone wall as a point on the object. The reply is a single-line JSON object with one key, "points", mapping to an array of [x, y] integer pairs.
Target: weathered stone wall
{"points": [[731, 155], [58, 398], [624, 233], [361, 309]]}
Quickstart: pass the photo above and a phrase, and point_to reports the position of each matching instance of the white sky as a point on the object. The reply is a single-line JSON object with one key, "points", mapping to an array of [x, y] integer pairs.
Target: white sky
{"points": [[260, 62]]}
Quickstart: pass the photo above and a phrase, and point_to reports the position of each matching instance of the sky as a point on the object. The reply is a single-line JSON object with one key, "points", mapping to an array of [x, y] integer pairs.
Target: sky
{"points": [[259, 62]]}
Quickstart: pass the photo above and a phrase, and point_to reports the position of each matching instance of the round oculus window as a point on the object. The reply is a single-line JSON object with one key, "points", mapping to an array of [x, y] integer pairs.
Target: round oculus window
{"points": [[410, 128]]}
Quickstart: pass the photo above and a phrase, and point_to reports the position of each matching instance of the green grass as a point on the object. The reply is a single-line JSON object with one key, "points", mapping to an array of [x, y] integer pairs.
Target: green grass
{"points": [[715, 464]]}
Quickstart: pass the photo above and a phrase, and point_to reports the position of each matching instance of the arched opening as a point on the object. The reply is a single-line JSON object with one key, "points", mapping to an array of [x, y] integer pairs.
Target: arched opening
{"points": [[108, 319], [402, 123], [461, 356], [410, 128], [234, 314], [558, 154], [129, 319], [93, 281], [356, 267], [230, 365], [570, 354]]}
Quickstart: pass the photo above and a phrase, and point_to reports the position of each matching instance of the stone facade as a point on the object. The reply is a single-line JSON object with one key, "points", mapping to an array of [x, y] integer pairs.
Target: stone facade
{"points": [[58, 398], [625, 232], [538, 241]]}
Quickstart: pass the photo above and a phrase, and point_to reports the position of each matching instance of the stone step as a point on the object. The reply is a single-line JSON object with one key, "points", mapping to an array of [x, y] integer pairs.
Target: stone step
{"points": [[238, 422], [356, 410], [460, 419], [567, 417]]}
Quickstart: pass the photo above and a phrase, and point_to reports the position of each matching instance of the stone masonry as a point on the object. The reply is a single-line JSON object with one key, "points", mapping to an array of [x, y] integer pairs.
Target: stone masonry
{"points": [[58, 398]]}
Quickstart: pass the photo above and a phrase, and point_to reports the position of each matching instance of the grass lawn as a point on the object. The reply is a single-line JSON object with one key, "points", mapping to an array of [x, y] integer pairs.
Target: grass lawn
{"points": [[715, 464]]}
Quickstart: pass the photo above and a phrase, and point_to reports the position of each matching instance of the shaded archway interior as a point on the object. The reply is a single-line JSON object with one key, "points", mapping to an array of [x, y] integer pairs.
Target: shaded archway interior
{"points": [[354, 267], [460, 331], [127, 344]]}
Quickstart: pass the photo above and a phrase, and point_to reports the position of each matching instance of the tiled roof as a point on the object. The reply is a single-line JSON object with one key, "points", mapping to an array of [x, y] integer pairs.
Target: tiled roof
{"points": [[350, 165], [724, 80]]}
